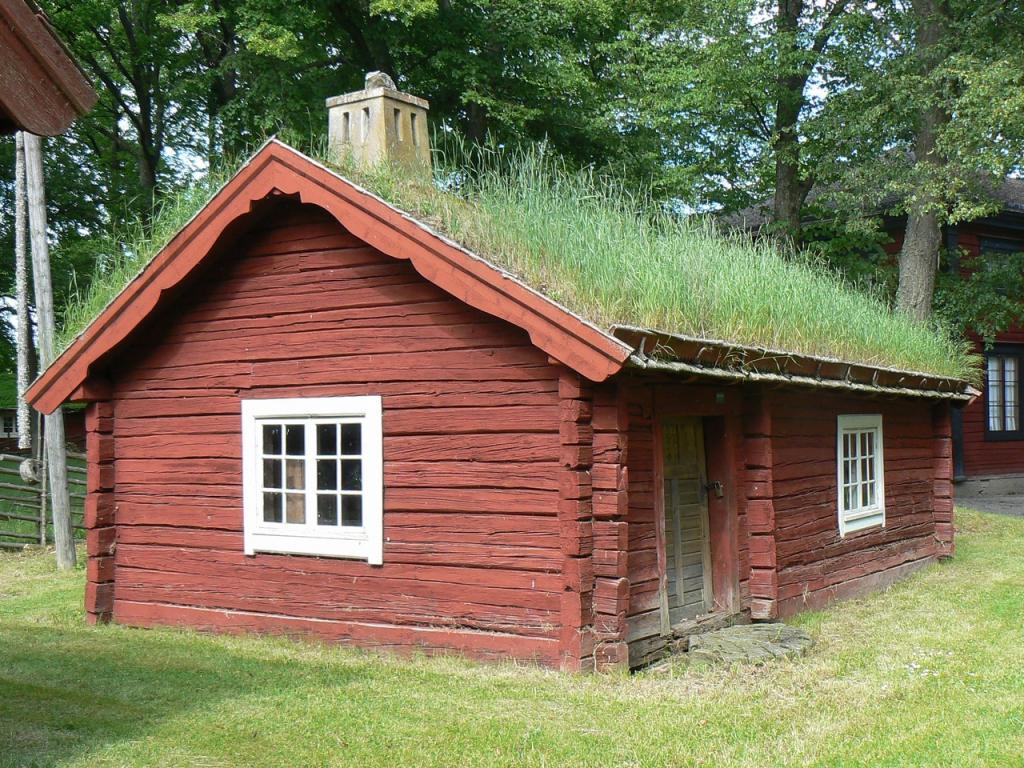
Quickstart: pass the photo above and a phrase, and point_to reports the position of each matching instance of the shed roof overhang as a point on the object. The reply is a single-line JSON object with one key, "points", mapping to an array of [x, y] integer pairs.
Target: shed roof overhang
{"points": [[722, 360], [277, 169], [42, 90]]}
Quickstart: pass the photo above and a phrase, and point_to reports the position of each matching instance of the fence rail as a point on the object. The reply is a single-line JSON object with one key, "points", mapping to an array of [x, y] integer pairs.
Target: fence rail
{"points": [[25, 506]]}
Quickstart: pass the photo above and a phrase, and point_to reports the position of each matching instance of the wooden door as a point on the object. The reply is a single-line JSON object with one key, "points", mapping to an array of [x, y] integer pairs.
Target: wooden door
{"points": [[687, 584]]}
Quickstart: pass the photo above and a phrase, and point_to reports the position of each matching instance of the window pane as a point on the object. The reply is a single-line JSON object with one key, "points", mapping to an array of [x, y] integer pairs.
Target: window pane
{"points": [[1010, 393], [351, 439], [295, 474], [327, 439], [271, 473], [995, 394], [326, 474], [327, 509], [352, 474], [272, 507], [272, 439], [295, 439], [296, 508], [351, 510]]}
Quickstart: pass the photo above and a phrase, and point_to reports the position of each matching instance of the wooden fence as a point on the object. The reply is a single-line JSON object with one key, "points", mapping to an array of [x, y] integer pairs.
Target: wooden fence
{"points": [[25, 506]]}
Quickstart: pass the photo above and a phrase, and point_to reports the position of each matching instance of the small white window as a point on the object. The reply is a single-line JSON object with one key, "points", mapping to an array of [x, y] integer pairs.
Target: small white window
{"points": [[313, 477], [861, 473], [8, 426]]}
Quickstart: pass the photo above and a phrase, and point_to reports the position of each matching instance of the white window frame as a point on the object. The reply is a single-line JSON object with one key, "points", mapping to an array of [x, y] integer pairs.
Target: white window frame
{"points": [[365, 542], [13, 431], [860, 517]]}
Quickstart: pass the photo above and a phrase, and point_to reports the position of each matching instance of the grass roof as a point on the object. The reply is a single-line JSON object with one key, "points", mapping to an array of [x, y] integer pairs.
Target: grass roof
{"points": [[612, 257]]}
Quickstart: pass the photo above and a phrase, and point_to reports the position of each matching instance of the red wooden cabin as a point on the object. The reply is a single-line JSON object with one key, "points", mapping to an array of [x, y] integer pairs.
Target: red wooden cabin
{"points": [[312, 414]]}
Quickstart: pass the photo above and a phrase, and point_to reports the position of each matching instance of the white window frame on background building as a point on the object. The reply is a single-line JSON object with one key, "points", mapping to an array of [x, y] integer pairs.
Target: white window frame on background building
{"points": [[302, 476], [860, 472], [1002, 394]]}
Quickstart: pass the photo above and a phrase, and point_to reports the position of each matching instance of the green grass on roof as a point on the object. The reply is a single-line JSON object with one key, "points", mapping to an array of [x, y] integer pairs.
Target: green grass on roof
{"points": [[614, 258]]}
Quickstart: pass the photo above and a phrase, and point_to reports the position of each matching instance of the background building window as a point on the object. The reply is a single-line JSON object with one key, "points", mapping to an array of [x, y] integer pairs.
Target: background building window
{"points": [[1002, 394]]}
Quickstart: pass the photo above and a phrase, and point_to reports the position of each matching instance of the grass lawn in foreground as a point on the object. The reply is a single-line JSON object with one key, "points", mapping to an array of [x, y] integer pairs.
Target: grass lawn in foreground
{"points": [[930, 672]]}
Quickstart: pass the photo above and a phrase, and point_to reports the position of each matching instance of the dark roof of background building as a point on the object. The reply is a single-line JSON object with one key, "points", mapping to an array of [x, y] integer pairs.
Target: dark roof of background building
{"points": [[1010, 193]]}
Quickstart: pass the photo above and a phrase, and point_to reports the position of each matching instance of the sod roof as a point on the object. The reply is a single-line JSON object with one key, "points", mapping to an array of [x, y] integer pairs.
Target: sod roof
{"points": [[618, 262]]}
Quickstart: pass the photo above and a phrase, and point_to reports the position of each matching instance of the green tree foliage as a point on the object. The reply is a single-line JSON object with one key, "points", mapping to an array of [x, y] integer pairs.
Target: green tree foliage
{"points": [[812, 106]]}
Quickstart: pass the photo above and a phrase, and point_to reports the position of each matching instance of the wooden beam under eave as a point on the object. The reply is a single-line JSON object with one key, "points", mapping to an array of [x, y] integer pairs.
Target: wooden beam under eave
{"points": [[95, 389]]}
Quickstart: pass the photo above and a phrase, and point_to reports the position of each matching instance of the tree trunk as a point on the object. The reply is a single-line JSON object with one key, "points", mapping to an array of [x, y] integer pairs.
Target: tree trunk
{"points": [[53, 427], [789, 189], [918, 262], [24, 331], [919, 256]]}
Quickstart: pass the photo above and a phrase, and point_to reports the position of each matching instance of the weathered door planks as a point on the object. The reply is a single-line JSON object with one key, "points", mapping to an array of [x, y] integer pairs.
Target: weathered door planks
{"points": [[687, 586]]}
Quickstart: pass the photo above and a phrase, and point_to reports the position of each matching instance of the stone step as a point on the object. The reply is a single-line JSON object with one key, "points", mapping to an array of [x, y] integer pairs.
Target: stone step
{"points": [[749, 644], [709, 622]]}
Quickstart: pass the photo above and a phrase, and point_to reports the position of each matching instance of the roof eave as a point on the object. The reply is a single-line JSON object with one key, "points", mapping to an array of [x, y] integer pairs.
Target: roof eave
{"points": [[53, 90], [724, 360]]}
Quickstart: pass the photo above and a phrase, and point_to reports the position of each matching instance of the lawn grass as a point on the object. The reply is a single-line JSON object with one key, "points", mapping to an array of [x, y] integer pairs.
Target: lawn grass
{"points": [[609, 254], [930, 672]]}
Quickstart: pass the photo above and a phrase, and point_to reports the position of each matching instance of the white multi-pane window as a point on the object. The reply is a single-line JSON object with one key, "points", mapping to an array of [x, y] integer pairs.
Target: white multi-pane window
{"points": [[313, 476], [8, 425], [861, 475], [1002, 385]]}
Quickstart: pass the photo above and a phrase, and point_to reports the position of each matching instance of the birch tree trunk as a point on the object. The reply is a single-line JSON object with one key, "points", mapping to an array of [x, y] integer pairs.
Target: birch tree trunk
{"points": [[53, 426], [24, 337]]}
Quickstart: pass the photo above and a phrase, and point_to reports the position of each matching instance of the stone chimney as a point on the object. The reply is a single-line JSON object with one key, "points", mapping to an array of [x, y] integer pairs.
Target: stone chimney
{"points": [[379, 124]]}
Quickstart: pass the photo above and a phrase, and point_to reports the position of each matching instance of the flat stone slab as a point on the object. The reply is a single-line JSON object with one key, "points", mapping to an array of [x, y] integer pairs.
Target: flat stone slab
{"points": [[749, 644]]}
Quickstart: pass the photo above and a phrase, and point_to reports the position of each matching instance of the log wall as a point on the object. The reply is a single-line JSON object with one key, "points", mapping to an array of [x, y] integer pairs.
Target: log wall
{"points": [[487, 526], [814, 565]]}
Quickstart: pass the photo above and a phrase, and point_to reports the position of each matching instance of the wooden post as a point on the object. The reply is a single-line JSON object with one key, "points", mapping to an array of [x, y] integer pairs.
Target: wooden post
{"points": [[24, 336], [42, 499], [98, 519], [760, 517], [610, 480], [63, 534], [576, 522]]}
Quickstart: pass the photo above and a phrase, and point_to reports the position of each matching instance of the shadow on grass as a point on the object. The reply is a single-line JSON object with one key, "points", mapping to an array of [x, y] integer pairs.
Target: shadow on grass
{"points": [[65, 693]]}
